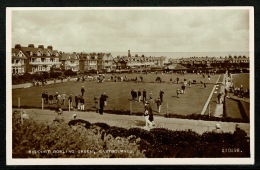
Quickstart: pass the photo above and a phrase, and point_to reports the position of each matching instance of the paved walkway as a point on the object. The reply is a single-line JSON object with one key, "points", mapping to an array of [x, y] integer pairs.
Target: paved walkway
{"points": [[127, 121], [219, 107], [226, 84]]}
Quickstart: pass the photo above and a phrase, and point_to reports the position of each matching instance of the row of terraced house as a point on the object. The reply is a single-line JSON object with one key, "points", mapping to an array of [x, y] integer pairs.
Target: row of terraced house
{"points": [[227, 61], [38, 59]]}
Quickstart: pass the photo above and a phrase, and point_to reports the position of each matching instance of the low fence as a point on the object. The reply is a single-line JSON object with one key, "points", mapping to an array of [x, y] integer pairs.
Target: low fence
{"points": [[27, 85]]}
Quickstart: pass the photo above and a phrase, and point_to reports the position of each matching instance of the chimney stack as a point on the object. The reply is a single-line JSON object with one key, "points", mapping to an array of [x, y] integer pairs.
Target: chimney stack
{"points": [[18, 46], [129, 55], [31, 45], [41, 46], [50, 47]]}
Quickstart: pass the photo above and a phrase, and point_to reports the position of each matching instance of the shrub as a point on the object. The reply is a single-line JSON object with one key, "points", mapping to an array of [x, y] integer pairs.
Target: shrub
{"points": [[70, 73], [61, 140], [111, 142], [116, 131], [206, 117], [103, 126], [85, 123]]}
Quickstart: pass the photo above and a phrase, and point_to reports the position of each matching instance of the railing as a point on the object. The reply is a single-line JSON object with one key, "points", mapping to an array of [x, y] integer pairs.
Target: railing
{"points": [[72, 65], [17, 64], [44, 63]]}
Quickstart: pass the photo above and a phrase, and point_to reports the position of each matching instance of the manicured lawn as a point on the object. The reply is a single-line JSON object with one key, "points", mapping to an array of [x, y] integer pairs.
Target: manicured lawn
{"points": [[119, 93], [241, 79], [232, 108], [232, 105]]}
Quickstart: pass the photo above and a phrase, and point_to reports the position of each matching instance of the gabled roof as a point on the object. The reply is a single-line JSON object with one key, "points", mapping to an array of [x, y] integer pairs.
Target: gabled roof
{"points": [[83, 56], [69, 56], [16, 52], [93, 55], [101, 55], [74, 56], [176, 67], [54, 51], [45, 50], [64, 56], [35, 50]]}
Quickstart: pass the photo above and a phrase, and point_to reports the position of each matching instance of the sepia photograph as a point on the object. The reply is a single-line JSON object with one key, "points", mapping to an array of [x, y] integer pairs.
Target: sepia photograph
{"points": [[141, 85]]}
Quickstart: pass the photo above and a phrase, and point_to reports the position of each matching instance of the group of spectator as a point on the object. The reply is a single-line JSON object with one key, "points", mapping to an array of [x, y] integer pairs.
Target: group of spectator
{"points": [[115, 78], [137, 94], [61, 99], [239, 91], [77, 101]]}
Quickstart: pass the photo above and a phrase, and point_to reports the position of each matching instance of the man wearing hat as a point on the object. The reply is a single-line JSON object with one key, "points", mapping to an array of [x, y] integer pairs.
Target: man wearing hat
{"points": [[56, 97], [82, 90], [105, 99], [161, 93], [148, 123], [144, 95], [70, 100]]}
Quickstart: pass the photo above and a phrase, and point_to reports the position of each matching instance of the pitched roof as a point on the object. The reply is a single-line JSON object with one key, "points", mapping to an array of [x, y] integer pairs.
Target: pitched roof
{"points": [[176, 67], [16, 52], [64, 56], [83, 56]]}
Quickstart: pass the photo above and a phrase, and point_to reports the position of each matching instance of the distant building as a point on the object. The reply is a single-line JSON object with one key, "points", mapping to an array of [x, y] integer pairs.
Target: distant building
{"points": [[213, 62], [70, 61], [139, 62], [106, 62], [18, 61], [39, 59]]}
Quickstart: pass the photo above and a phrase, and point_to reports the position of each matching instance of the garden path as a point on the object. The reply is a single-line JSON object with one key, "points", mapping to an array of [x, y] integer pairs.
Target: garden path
{"points": [[127, 121]]}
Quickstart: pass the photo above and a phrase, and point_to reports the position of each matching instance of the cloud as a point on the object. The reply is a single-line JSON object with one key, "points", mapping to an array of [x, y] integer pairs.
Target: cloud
{"points": [[138, 30]]}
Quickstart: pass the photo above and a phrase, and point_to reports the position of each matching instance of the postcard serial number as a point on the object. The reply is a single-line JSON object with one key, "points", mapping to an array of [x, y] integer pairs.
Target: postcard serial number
{"points": [[231, 150]]}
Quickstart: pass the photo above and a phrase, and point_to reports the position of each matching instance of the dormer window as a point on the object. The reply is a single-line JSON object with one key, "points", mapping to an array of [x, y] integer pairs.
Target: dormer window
{"points": [[38, 53]]}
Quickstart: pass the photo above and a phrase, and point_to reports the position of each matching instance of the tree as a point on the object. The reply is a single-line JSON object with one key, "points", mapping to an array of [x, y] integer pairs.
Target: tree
{"points": [[70, 72], [55, 74]]}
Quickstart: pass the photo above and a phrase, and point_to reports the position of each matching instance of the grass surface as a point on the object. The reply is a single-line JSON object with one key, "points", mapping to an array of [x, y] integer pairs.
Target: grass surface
{"points": [[232, 108], [241, 79], [119, 93]]}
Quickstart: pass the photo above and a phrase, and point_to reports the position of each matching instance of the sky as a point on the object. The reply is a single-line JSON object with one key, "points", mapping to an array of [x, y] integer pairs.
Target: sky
{"points": [[150, 31]]}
